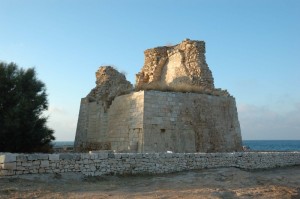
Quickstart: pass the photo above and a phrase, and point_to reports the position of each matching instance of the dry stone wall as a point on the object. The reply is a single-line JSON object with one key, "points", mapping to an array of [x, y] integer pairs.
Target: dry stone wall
{"points": [[107, 163]]}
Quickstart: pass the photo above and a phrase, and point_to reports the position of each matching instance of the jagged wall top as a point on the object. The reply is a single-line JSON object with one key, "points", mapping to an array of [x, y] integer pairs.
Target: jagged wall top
{"points": [[109, 84], [183, 63]]}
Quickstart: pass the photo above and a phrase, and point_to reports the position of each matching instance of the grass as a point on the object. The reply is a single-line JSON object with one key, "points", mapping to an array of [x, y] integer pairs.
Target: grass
{"points": [[181, 87]]}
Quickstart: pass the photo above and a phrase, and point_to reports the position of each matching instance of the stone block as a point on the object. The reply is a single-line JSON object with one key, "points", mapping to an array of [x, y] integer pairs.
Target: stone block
{"points": [[92, 168], [10, 165], [19, 172], [22, 158], [7, 172], [20, 168], [27, 164], [53, 157], [32, 157], [44, 163], [42, 156], [85, 161], [36, 162], [8, 157], [66, 156]]}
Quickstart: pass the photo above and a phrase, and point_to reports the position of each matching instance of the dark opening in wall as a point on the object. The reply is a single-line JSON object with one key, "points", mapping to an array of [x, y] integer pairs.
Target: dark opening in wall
{"points": [[162, 130]]}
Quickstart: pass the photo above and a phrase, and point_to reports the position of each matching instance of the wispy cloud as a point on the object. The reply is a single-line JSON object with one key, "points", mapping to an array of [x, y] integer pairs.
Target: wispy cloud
{"points": [[262, 122], [257, 122], [62, 122]]}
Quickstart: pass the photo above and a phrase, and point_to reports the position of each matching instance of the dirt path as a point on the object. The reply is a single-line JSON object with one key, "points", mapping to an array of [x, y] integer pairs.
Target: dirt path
{"points": [[208, 183]]}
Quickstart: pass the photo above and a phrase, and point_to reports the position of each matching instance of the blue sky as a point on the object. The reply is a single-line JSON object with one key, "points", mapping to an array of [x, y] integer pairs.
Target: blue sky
{"points": [[252, 48]]}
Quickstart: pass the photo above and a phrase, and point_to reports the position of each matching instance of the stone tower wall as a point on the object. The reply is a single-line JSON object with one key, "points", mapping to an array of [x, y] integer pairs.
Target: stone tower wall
{"points": [[193, 116], [190, 122], [125, 123], [154, 121], [91, 132], [172, 65]]}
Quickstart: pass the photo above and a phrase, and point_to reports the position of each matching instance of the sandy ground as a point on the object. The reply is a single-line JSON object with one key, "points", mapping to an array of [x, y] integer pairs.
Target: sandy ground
{"points": [[207, 183]]}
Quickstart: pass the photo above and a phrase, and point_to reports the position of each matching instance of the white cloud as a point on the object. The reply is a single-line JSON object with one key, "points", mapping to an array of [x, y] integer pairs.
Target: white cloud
{"points": [[261, 122], [257, 122], [63, 122]]}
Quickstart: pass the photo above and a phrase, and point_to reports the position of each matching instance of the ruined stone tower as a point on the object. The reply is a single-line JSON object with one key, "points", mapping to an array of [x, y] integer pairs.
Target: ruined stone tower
{"points": [[172, 65], [175, 107]]}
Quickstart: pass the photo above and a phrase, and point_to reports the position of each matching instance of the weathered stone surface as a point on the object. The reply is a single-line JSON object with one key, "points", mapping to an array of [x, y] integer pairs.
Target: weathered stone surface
{"points": [[8, 157], [66, 156], [21, 158], [193, 116], [44, 163], [179, 122], [91, 133], [172, 65], [53, 157], [9, 166], [43, 156], [32, 157], [145, 163], [110, 84]]}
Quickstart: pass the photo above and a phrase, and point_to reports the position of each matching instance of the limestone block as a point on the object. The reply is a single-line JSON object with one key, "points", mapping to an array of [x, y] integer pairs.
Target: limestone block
{"points": [[92, 168], [21, 158], [44, 163], [85, 161], [32, 157], [42, 156], [9, 166], [84, 156], [18, 173], [8, 157], [27, 164], [7, 172], [66, 156], [41, 170], [53, 157], [20, 168], [35, 162]]}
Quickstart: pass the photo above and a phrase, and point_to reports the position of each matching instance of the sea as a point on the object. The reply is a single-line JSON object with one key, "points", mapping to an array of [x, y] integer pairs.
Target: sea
{"points": [[272, 145], [253, 145]]}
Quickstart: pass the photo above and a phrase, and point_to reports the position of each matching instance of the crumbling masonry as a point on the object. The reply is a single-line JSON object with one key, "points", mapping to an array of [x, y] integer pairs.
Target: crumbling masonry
{"points": [[175, 107]]}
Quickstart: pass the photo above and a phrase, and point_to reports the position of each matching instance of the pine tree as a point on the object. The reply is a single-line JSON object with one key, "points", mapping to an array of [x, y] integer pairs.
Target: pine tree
{"points": [[23, 99]]}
